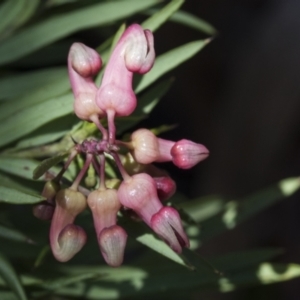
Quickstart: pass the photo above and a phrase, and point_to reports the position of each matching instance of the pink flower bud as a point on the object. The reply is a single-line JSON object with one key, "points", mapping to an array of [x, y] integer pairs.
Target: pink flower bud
{"points": [[187, 154], [139, 193], [145, 146], [167, 224], [112, 243], [166, 187], [43, 211], [134, 52], [67, 239], [83, 64]]}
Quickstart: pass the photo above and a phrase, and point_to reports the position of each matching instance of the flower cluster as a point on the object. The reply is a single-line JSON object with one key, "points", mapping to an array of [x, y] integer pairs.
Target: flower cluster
{"points": [[144, 187]]}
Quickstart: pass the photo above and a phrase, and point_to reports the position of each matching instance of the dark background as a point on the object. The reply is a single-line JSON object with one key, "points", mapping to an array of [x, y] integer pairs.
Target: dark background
{"points": [[240, 97]]}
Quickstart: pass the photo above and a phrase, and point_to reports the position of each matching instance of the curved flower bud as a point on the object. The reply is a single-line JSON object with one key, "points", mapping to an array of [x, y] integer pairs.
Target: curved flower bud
{"points": [[134, 52], [139, 193], [166, 187], [186, 154], [83, 64], [67, 239], [112, 242], [104, 204], [167, 224]]}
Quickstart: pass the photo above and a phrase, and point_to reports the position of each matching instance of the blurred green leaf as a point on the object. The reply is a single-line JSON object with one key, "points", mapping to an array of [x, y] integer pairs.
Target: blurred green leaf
{"points": [[59, 26], [244, 259], [13, 234], [31, 118], [41, 83], [14, 13], [192, 21], [235, 212], [21, 167], [161, 16], [13, 196], [9, 275], [48, 163], [169, 61]]}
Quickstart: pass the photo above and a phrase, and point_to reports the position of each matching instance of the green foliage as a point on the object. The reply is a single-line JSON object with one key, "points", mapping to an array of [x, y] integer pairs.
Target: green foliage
{"points": [[37, 129]]}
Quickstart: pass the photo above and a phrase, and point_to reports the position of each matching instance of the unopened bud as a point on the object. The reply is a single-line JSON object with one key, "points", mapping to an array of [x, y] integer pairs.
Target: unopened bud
{"points": [[167, 224], [112, 242], [187, 154]]}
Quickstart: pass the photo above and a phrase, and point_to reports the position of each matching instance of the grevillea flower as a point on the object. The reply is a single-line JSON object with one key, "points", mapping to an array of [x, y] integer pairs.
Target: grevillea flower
{"points": [[142, 187]]}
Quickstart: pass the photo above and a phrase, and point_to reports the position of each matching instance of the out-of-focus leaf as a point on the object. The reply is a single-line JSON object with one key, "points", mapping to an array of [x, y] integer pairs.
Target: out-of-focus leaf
{"points": [[235, 212], [21, 167], [240, 260], [13, 235], [39, 82], [265, 273], [48, 163], [190, 20], [8, 296], [161, 16], [117, 36], [57, 27], [146, 104], [48, 133], [25, 185], [14, 13], [13, 196], [204, 207], [9, 275], [169, 61], [31, 118]]}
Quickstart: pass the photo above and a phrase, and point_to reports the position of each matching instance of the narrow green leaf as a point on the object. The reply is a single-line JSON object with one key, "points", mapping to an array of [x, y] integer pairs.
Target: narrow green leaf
{"points": [[169, 61], [13, 235], [117, 36], [13, 196], [48, 163], [59, 26], [21, 167], [40, 82], [190, 20], [14, 13], [31, 118], [235, 212], [46, 134], [161, 16], [9, 275], [144, 236], [162, 248]]}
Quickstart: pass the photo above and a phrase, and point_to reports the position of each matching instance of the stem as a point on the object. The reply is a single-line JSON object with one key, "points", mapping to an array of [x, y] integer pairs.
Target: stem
{"points": [[128, 145], [95, 120], [66, 165], [76, 182], [121, 168], [111, 126], [102, 185]]}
